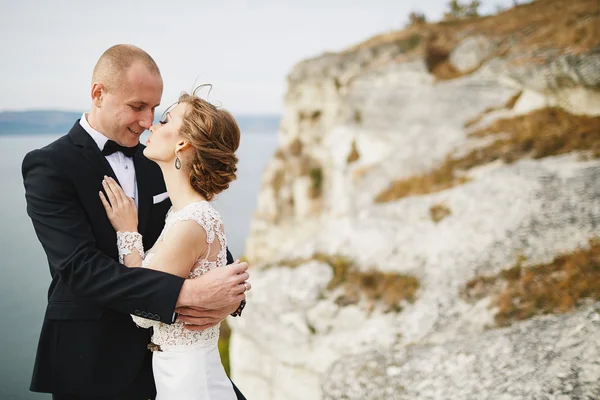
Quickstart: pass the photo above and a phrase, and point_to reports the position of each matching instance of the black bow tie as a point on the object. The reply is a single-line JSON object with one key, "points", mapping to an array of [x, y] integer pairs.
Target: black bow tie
{"points": [[112, 147]]}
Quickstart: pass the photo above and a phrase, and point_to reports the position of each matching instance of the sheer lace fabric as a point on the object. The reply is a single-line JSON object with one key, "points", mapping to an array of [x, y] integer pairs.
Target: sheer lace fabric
{"points": [[209, 219], [127, 241]]}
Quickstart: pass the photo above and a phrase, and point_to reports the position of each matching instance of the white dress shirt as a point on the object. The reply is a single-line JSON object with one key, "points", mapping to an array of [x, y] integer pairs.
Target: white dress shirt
{"points": [[119, 162]]}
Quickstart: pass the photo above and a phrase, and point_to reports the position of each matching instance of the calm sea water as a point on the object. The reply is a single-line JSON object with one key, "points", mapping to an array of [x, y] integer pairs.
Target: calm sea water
{"points": [[24, 275]]}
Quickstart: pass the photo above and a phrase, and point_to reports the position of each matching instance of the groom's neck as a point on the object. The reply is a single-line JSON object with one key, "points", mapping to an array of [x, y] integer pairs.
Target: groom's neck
{"points": [[93, 121]]}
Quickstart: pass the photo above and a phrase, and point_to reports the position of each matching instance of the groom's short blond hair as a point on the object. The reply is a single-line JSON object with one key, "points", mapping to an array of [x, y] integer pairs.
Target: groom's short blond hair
{"points": [[115, 61]]}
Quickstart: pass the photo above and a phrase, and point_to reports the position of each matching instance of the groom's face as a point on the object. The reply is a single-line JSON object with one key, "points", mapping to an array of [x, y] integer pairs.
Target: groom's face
{"points": [[128, 109]]}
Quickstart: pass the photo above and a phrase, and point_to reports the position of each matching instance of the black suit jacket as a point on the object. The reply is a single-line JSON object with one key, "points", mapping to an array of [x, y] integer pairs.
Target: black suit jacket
{"points": [[89, 344]]}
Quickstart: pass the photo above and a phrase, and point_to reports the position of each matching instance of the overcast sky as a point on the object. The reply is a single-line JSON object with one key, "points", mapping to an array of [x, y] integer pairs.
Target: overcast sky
{"points": [[244, 48]]}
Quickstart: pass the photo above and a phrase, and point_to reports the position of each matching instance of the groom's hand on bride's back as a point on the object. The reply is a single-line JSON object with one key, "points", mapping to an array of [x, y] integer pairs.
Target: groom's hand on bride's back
{"points": [[196, 319], [218, 289]]}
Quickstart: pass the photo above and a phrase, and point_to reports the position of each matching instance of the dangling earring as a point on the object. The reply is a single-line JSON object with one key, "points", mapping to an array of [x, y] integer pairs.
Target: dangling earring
{"points": [[177, 161]]}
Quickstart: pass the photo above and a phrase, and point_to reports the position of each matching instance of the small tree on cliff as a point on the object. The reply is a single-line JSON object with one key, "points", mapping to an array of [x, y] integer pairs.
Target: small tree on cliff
{"points": [[416, 18], [457, 9]]}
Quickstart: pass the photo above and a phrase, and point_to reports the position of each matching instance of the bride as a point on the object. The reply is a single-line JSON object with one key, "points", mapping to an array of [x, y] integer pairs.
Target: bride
{"points": [[195, 148]]}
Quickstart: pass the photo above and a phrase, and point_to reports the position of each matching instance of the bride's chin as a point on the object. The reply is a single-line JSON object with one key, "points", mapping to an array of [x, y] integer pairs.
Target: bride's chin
{"points": [[147, 155]]}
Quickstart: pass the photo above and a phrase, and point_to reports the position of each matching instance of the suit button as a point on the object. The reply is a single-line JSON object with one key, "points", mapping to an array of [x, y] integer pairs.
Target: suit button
{"points": [[157, 317], [150, 315], [137, 312], [144, 314]]}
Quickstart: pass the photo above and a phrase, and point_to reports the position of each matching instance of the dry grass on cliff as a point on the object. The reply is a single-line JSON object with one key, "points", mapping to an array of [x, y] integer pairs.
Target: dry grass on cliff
{"points": [[438, 212], [569, 26], [354, 155], [510, 103], [557, 287], [387, 288], [441, 178], [541, 133]]}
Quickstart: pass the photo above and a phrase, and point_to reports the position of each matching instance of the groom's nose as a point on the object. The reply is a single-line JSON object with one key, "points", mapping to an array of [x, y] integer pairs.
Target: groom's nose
{"points": [[146, 119]]}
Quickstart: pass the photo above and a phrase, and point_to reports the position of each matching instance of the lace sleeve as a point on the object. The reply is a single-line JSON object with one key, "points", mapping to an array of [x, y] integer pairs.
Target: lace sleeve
{"points": [[127, 241], [143, 322], [209, 219]]}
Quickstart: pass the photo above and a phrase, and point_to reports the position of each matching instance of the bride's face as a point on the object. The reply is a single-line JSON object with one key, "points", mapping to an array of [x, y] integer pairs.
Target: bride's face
{"points": [[164, 136]]}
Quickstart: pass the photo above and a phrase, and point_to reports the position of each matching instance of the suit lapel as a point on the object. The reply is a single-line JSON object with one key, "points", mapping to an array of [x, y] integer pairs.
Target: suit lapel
{"points": [[90, 151], [143, 178], [143, 170]]}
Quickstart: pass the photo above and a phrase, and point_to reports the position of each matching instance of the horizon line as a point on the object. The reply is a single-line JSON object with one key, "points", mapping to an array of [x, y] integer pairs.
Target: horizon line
{"points": [[266, 113]]}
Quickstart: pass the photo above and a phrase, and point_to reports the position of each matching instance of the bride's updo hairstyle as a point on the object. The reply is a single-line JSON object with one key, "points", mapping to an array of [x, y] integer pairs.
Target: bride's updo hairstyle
{"points": [[215, 136]]}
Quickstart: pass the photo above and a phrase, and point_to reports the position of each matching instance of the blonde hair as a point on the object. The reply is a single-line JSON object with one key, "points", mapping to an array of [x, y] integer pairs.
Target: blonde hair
{"points": [[115, 61], [215, 136]]}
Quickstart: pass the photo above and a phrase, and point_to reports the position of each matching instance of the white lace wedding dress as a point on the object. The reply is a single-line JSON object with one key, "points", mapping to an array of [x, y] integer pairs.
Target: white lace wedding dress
{"points": [[188, 366]]}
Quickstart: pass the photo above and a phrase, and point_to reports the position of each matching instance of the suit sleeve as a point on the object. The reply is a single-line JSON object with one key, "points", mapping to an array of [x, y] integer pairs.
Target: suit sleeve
{"points": [[229, 257], [64, 231]]}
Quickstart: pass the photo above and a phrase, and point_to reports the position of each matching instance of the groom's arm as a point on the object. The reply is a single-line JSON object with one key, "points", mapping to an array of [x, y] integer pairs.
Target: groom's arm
{"points": [[202, 318], [63, 229]]}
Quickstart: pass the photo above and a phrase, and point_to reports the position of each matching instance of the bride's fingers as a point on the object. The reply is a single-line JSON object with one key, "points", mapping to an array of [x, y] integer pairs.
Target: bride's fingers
{"points": [[125, 200], [109, 194], [112, 197], [118, 191], [105, 203]]}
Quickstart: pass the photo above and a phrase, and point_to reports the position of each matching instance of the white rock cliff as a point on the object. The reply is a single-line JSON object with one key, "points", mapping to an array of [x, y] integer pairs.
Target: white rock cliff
{"points": [[296, 342]]}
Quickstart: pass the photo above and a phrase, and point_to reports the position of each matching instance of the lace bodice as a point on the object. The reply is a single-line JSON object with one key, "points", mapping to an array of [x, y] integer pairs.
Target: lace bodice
{"points": [[208, 218]]}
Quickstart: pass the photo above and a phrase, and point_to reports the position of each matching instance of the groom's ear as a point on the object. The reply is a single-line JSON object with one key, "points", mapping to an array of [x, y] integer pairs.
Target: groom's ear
{"points": [[97, 92]]}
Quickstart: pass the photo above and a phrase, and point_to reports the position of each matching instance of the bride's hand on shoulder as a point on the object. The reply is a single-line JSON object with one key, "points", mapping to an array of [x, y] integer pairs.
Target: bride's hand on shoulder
{"points": [[120, 209]]}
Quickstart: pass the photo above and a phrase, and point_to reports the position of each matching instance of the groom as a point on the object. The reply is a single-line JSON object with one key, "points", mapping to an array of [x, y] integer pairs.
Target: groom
{"points": [[89, 347]]}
